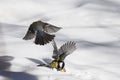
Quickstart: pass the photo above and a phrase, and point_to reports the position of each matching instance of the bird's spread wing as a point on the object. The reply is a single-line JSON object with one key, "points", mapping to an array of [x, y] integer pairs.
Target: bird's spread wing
{"points": [[67, 49], [51, 28], [55, 50], [43, 38], [30, 33]]}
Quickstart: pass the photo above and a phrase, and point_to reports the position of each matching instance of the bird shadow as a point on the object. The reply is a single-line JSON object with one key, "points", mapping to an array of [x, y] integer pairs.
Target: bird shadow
{"points": [[5, 62], [17, 75]]}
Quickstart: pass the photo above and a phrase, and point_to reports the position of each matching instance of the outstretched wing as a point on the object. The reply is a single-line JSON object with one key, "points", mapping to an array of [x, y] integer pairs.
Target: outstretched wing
{"points": [[51, 28], [55, 50], [66, 49], [30, 33]]}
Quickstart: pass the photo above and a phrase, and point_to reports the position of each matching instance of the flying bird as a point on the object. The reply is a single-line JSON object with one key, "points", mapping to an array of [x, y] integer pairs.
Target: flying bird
{"points": [[41, 31], [59, 55]]}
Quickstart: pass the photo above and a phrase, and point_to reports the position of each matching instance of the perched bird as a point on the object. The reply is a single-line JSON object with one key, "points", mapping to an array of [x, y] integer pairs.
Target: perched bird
{"points": [[59, 55], [42, 32]]}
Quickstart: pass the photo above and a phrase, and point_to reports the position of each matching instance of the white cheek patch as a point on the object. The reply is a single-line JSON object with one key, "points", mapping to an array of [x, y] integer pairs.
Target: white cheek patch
{"points": [[60, 64]]}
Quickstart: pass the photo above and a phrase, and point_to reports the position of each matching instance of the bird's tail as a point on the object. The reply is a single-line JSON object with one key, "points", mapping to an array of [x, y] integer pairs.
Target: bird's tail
{"points": [[43, 38]]}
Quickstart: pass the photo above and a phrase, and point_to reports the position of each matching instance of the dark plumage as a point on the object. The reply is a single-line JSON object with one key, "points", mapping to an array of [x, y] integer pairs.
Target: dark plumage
{"points": [[41, 31]]}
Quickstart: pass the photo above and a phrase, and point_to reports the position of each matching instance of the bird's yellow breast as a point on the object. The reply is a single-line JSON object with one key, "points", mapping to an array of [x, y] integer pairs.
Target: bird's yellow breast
{"points": [[54, 64]]}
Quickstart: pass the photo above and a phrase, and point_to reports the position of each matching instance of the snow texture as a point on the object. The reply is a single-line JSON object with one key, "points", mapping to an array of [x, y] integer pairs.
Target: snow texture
{"points": [[92, 24]]}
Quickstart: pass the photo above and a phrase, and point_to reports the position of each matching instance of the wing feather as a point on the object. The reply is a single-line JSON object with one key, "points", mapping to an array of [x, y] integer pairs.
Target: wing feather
{"points": [[67, 49], [51, 28]]}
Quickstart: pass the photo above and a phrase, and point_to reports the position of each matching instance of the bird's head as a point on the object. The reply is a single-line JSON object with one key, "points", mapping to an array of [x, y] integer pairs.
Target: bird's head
{"points": [[59, 65]]}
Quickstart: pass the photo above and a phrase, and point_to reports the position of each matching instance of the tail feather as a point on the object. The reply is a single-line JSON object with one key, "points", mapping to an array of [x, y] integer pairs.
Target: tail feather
{"points": [[46, 38], [43, 38]]}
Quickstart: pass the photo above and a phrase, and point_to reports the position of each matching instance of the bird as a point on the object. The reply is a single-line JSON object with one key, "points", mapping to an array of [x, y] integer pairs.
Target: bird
{"points": [[41, 31], [60, 54]]}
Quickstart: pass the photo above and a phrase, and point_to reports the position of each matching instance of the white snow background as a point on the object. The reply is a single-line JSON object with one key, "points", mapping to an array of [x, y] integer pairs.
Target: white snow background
{"points": [[93, 24]]}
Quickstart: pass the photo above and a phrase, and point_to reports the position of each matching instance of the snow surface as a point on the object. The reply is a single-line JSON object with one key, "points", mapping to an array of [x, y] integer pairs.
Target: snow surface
{"points": [[93, 24]]}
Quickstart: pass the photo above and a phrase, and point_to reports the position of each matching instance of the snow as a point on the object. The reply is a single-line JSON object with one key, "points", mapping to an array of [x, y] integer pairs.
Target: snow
{"points": [[93, 24]]}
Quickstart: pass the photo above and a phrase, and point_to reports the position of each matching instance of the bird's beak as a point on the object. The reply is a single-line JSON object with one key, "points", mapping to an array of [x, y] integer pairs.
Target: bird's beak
{"points": [[63, 70]]}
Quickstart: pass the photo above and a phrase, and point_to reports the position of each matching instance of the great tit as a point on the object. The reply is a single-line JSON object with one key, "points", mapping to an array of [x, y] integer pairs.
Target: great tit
{"points": [[59, 55], [41, 31]]}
